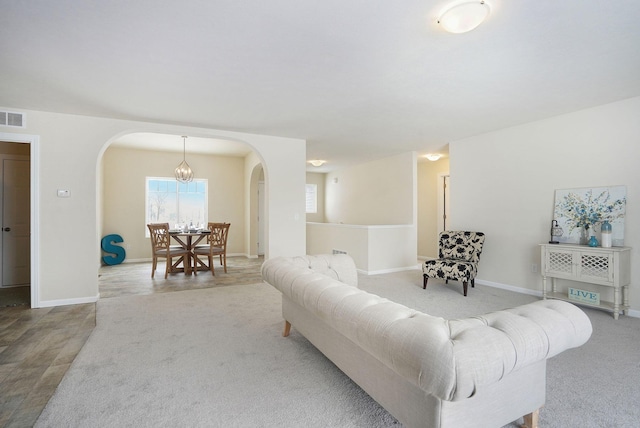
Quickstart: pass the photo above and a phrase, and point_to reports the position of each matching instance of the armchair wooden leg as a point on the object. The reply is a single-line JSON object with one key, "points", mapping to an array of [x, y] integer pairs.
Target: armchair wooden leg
{"points": [[287, 329], [464, 287], [424, 283], [531, 420], [473, 283]]}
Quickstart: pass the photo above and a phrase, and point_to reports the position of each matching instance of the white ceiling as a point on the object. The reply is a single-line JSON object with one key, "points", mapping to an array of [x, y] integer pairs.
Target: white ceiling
{"points": [[359, 80], [174, 143]]}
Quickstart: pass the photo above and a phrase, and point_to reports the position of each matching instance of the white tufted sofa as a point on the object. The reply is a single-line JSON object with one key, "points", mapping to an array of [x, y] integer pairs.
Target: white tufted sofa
{"points": [[484, 371]]}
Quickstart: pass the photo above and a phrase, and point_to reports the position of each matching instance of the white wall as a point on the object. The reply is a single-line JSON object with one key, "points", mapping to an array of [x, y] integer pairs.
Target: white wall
{"points": [[70, 152], [503, 183], [370, 212], [378, 192], [319, 180], [375, 249], [253, 174]]}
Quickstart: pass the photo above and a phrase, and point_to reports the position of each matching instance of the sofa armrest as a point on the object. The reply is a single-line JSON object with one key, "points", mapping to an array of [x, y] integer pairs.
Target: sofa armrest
{"points": [[488, 347]]}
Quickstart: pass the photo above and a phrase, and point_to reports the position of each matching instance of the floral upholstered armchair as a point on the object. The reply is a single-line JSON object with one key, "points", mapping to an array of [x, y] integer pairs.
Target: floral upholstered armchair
{"points": [[459, 254]]}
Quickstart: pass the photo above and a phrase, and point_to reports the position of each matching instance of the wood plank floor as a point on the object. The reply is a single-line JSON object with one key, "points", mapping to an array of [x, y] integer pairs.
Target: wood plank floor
{"points": [[37, 346]]}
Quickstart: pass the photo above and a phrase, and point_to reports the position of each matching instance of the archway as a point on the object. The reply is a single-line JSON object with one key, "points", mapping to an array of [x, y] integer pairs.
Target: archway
{"points": [[124, 162]]}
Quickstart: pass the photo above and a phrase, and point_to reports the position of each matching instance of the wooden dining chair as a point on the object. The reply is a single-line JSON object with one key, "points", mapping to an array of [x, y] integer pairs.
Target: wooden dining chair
{"points": [[161, 247], [216, 246]]}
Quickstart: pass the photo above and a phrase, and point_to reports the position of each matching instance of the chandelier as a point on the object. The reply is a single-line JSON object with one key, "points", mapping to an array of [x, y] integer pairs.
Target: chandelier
{"points": [[184, 174]]}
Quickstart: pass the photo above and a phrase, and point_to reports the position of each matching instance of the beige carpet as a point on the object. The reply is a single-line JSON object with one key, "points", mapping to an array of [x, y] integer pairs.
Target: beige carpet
{"points": [[215, 357], [204, 358]]}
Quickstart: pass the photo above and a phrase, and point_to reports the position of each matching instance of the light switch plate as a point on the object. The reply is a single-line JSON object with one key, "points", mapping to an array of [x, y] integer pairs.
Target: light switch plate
{"points": [[64, 193]]}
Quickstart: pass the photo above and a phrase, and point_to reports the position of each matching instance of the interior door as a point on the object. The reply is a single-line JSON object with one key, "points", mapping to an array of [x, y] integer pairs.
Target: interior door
{"points": [[16, 215], [261, 230]]}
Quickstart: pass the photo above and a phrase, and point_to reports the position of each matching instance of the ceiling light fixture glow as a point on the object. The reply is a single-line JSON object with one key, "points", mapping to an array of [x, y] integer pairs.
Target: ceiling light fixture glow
{"points": [[317, 162], [433, 156], [464, 17]]}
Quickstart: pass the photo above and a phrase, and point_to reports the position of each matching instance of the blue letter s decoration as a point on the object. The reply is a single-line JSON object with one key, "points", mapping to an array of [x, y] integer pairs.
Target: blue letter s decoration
{"points": [[108, 247]]}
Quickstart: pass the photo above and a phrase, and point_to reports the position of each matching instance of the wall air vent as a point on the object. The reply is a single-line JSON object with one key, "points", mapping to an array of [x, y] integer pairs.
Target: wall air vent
{"points": [[13, 119]]}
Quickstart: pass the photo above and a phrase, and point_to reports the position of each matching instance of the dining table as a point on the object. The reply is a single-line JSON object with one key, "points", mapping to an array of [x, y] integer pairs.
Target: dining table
{"points": [[188, 239]]}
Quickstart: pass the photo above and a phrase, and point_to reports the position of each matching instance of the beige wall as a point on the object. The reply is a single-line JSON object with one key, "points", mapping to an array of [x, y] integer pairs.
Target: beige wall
{"points": [[429, 176], [66, 153], [370, 208], [503, 183], [319, 180], [125, 171], [378, 192]]}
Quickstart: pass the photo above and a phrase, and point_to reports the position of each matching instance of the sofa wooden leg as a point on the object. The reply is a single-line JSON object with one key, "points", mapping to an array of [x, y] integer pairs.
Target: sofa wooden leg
{"points": [[531, 420], [465, 284], [287, 329], [424, 282]]}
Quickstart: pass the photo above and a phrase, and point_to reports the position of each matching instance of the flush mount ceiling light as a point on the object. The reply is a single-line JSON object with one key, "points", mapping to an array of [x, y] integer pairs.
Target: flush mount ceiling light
{"points": [[464, 17], [317, 162], [433, 156], [184, 174]]}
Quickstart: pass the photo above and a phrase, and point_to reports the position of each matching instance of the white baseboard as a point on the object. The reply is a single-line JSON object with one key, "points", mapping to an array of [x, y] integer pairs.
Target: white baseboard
{"points": [[634, 313], [507, 287], [537, 293], [65, 302], [378, 272]]}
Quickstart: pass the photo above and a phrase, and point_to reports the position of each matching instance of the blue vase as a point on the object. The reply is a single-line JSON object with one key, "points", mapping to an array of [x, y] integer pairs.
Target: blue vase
{"points": [[593, 242]]}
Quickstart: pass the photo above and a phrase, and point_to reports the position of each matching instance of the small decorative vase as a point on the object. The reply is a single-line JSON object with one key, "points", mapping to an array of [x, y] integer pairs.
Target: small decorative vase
{"points": [[593, 242], [584, 235], [605, 231]]}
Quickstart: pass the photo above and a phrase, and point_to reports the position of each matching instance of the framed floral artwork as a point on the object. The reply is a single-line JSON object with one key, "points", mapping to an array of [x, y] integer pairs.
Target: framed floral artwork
{"points": [[580, 212]]}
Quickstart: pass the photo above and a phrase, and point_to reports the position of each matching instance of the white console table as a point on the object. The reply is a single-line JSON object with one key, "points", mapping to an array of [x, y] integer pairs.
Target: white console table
{"points": [[609, 267]]}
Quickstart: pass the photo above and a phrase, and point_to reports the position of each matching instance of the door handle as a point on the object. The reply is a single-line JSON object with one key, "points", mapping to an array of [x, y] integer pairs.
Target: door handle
{"points": [[7, 229]]}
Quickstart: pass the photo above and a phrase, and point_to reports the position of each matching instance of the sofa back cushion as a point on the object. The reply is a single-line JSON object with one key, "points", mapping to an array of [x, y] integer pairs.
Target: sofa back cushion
{"points": [[340, 267]]}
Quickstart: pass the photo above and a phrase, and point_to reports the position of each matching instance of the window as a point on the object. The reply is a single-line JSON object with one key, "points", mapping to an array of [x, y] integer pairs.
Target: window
{"points": [[169, 201], [312, 198]]}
